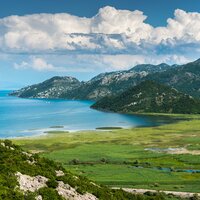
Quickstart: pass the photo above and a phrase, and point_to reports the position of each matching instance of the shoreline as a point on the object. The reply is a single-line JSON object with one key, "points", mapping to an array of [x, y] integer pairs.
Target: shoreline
{"points": [[170, 119], [49, 131]]}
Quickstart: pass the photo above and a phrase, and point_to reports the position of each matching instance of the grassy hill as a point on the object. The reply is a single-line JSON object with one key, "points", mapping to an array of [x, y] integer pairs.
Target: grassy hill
{"points": [[150, 96]]}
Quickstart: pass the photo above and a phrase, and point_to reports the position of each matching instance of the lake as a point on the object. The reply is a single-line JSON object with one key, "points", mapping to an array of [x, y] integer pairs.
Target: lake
{"points": [[26, 117]]}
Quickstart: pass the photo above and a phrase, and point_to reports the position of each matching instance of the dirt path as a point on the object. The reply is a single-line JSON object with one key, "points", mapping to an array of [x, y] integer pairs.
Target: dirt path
{"points": [[142, 191]]}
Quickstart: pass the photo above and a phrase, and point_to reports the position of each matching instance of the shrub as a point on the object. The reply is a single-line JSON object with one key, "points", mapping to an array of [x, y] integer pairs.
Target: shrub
{"points": [[52, 183]]}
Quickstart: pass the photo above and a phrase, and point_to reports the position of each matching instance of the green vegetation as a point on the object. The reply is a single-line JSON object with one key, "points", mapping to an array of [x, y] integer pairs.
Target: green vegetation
{"points": [[150, 96], [13, 159], [138, 157], [108, 128], [57, 127]]}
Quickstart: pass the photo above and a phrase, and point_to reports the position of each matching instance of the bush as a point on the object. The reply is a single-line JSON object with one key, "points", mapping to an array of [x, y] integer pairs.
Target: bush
{"points": [[52, 183], [74, 162], [49, 194]]}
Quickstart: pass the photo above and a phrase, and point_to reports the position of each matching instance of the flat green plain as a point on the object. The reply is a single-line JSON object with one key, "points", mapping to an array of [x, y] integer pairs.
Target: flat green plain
{"points": [[143, 157]]}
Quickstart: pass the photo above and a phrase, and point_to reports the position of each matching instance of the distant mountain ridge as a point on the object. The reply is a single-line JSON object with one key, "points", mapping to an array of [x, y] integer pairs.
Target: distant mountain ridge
{"points": [[185, 78], [150, 96], [100, 86]]}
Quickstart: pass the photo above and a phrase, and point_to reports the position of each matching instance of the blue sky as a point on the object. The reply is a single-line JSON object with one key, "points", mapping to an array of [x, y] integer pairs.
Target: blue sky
{"points": [[157, 10], [43, 38]]}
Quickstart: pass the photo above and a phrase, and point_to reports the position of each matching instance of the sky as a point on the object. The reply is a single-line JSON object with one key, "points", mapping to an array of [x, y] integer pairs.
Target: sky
{"points": [[44, 38]]}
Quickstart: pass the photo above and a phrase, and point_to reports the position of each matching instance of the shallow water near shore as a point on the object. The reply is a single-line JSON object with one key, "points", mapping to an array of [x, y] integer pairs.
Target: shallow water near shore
{"points": [[26, 117]]}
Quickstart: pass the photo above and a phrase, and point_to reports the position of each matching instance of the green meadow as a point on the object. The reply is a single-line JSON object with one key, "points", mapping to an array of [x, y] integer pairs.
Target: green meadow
{"points": [[144, 157]]}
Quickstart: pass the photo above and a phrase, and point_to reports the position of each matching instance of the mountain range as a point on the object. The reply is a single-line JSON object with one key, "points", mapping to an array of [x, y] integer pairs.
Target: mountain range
{"points": [[100, 86], [184, 78]]}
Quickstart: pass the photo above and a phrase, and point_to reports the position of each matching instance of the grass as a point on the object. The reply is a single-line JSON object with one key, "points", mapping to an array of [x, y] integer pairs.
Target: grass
{"points": [[110, 157]]}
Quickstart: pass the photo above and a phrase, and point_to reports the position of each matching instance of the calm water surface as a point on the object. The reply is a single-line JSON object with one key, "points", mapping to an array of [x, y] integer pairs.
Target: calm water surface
{"points": [[25, 117]]}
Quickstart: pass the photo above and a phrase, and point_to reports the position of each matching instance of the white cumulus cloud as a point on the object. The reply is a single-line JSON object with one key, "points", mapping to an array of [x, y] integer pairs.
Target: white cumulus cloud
{"points": [[36, 63], [112, 39], [110, 30]]}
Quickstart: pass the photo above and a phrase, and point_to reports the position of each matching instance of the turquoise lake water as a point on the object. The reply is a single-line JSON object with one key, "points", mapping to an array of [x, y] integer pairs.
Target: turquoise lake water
{"points": [[26, 117]]}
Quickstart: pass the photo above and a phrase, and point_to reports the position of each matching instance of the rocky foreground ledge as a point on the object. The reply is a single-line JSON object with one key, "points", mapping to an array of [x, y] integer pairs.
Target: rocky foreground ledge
{"points": [[33, 184]]}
